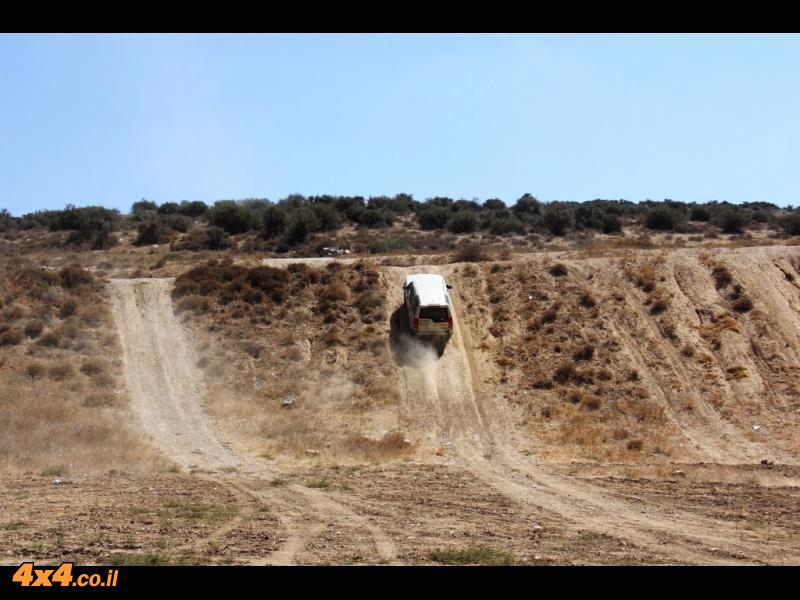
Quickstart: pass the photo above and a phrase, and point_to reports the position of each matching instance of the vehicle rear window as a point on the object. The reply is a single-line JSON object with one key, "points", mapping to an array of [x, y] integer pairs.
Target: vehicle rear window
{"points": [[437, 314]]}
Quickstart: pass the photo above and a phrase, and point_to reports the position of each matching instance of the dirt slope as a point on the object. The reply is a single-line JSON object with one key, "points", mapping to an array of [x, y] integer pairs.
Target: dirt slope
{"points": [[491, 404], [167, 388]]}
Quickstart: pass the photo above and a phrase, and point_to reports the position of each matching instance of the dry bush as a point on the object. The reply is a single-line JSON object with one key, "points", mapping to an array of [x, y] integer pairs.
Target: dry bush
{"points": [[564, 372], [646, 278], [587, 300], [35, 370], [93, 366], [68, 308], [635, 445], [742, 304], [12, 337], [659, 304], [586, 352], [74, 276], [390, 444], [470, 253], [49, 340], [722, 277], [688, 351], [99, 400], [591, 403], [549, 315], [193, 303], [33, 328], [61, 371], [558, 270]]}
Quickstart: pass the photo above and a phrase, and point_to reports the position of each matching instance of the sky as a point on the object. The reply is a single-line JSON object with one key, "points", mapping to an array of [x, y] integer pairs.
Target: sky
{"points": [[112, 119]]}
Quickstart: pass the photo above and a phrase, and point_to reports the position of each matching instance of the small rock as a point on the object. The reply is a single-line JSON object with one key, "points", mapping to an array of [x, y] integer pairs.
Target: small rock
{"points": [[756, 427], [312, 452], [58, 481], [287, 403]]}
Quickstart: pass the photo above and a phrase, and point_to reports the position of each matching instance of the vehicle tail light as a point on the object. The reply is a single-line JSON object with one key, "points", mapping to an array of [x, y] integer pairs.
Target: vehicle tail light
{"points": [[450, 322], [415, 322]]}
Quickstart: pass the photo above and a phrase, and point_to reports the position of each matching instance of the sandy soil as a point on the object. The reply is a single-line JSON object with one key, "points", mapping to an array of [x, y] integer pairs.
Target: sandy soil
{"points": [[482, 475]]}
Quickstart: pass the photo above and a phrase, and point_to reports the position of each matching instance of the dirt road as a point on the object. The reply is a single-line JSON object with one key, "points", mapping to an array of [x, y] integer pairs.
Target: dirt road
{"points": [[166, 390], [478, 433]]}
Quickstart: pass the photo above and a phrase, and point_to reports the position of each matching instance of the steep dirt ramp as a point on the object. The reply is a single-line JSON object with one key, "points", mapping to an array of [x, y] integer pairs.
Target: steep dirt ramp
{"points": [[167, 390], [165, 385], [475, 429]]}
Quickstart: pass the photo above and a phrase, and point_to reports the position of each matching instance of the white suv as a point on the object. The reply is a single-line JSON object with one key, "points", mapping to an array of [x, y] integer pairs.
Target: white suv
{"points": [[430, 310]]}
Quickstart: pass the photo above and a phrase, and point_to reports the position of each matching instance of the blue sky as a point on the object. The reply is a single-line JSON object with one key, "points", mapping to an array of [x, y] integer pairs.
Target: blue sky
{"points": [[113, 119]]}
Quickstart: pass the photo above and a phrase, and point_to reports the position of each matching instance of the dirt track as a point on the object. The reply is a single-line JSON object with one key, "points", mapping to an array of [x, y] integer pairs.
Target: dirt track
{"points": [[166, 388], [453, 410]]}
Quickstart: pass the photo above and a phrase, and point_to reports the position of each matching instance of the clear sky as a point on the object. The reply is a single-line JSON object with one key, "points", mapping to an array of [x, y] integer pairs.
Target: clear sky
{"points": [[112, 119]]}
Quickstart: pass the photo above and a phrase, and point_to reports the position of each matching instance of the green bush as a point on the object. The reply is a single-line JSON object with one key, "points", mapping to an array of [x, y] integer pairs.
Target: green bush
{"points": [[229, 215], [791, 222], [433, 217], [149, 233], [301, 224], [730, 220], [217, 238], [662, 219], [274, 222], [557, 219], [462, 222]]}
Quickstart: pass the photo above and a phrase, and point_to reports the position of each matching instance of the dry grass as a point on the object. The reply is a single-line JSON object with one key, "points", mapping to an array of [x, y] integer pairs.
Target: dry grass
{"points": [[62, 425]]}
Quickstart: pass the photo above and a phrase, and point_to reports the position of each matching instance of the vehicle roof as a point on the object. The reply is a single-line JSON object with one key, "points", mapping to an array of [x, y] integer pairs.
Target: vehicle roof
{"points": [[430, 288]]}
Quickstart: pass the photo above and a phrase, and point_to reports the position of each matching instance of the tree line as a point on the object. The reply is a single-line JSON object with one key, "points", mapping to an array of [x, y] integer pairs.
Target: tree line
{"points": [[291, 220]]}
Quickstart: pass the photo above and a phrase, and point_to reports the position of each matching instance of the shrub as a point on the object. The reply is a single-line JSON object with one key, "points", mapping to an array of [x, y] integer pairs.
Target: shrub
{"points": [[564, 372], [68, 308], [470, 253], [61, 371], [791, 223], [433, 217], [699, 213], [49, 340], [35, 370], [584, 353], [149, 233], [382, 245], [557, 219], [301, 224], [74, 276], [462, 222], [273, 282], [34, 328], [372, 218], [549, 315], [274, 222], [230, 216], [611, 223], [722, 277], [92, 367], [743, 304], [327, 216], [176, 222], [502, 223], [659, 305], [587, 300], [12, 337], [193, 209], [557, 270], [730, 221], [528, 205], [635, 445], [217, 238], [192, 303], [662, 219], [591, 403]]}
